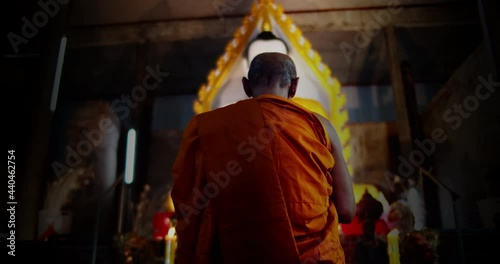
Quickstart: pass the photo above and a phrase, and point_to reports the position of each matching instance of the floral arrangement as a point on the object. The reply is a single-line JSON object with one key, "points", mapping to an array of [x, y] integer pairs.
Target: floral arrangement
{"points": [[137, 246], [420, 247]]}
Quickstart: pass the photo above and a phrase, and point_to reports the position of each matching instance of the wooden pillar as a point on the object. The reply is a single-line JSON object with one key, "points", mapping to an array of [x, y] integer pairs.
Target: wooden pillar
{"points": [[398, 89], [414, 122], [488, 11], [142, 114], [409, 124]]}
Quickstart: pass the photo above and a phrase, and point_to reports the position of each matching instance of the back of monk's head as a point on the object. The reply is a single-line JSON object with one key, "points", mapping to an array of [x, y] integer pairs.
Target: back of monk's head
{"points": [[271, 72], [271, 69]]}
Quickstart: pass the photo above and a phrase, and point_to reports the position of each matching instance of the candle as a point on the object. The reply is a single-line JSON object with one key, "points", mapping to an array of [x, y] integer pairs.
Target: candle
{"points": [[169, 240], [173, 251], [393, 246]]}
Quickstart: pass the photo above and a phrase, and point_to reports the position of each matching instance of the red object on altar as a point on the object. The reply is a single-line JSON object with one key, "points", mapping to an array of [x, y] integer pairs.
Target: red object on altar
{"points": [[368, 208], [48, 232], [355, 227], [161, 223]]}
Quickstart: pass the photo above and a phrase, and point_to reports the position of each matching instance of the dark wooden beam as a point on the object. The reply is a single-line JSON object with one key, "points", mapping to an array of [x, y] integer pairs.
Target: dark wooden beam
{"points": [[308, 21]]}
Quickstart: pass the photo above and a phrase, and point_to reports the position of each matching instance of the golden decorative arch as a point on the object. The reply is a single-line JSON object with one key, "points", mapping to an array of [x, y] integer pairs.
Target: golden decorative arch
{"points": [[261, 13]]}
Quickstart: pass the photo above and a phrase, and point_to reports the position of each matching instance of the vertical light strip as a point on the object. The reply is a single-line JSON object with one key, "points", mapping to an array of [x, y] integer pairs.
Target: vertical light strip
{"points": [[57, 77], [130, 159]]}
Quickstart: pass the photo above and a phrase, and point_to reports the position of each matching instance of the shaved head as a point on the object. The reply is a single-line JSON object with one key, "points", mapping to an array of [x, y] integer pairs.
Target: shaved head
{"points": [[270, 69]]}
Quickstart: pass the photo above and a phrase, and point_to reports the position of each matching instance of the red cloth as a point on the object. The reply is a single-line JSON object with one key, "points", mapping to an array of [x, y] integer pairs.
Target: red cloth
{"points": [[161, 224], [355, 228], [381, 227]]}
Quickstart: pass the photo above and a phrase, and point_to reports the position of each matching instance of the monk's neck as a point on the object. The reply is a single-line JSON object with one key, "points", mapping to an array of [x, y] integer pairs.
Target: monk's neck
{"points": [[277, 91]]}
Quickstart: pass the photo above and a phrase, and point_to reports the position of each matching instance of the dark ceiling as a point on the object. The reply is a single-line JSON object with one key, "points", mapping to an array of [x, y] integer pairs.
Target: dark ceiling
{"points": [[111, 70]]}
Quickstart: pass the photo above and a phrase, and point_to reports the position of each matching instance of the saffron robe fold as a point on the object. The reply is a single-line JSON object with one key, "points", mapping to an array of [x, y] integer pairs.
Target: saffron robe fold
{"points": [[252, 184]]}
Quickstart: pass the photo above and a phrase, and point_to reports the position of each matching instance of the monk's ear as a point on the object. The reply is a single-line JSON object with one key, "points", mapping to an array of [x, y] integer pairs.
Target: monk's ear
{"points": [[246, 87], [293, 87]]}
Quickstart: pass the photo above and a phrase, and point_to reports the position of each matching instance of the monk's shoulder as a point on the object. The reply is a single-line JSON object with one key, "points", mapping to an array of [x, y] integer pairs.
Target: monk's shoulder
{"points": [[329, 128], [227, 109], [221, 116], [191, 128], [326, 123]]}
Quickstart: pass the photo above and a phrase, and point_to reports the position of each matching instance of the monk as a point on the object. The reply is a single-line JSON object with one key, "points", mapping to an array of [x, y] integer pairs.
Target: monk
{"points": [[262, 180]]}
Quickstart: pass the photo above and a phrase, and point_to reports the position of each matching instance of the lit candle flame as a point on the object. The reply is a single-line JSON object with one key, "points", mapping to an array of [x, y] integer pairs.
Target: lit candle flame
{"points": [[171, 232], [394, 233]]}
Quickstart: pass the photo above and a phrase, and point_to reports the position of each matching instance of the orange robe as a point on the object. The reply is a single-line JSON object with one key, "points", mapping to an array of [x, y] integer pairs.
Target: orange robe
{"points": [[252, 184]]}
